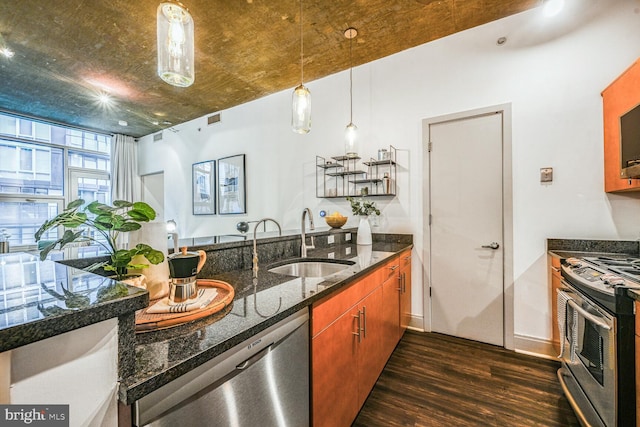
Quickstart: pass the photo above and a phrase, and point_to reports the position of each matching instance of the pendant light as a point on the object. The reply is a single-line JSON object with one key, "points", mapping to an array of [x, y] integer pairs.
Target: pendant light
{"points": [[301, 99], [175, 44], [351, 130]]}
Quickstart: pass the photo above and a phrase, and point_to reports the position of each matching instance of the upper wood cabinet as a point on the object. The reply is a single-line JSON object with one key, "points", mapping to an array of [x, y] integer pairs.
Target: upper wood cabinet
{"points": [[618, 98]]}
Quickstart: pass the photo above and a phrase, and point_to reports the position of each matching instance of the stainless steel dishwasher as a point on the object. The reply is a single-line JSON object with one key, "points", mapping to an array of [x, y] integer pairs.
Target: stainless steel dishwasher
{"points": [[263, 381]]}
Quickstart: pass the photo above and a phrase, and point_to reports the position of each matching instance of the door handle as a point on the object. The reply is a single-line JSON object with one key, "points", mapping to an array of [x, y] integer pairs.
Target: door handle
{"points": [[492, 245]]}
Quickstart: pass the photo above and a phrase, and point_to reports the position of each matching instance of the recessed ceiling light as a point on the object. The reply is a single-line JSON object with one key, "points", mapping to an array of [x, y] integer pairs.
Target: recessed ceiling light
{"points": [[553, 7], [4, 48], [104, 98], [7, 52], [123, 123]]}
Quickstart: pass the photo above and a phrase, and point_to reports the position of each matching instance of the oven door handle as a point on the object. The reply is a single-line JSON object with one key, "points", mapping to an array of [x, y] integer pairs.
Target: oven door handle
{"points": [[588, 316]]}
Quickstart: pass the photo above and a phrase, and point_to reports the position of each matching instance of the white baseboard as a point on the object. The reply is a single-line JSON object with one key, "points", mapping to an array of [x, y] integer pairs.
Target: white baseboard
{"points": [[416, 323], [534, 347]]}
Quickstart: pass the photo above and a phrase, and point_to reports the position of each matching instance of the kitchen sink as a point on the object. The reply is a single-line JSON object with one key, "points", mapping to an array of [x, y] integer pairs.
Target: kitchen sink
{"points": [[306, 267]]}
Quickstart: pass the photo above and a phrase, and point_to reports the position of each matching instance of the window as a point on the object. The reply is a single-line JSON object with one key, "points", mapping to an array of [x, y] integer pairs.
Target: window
{"points": [[44, 166], [90, 161], [28, 168]]}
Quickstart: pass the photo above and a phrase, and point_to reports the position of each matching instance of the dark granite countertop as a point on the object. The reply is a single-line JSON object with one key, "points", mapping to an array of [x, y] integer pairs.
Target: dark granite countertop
{"points": [[593, 247], [42, 299], [162, 356]]}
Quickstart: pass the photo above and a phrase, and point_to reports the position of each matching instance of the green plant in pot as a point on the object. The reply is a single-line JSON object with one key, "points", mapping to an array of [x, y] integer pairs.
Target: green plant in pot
{"points": [[363, 208], [80, 221]]}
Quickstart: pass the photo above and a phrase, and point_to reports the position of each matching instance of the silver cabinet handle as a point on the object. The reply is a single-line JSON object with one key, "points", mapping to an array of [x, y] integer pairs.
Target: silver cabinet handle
{"points": [[364, 317], [358, 328], [492, 245], [394, 267]]}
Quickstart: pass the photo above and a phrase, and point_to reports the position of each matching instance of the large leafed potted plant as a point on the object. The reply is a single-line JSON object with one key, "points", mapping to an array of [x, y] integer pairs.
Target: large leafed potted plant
{"points": [[81, 223]]}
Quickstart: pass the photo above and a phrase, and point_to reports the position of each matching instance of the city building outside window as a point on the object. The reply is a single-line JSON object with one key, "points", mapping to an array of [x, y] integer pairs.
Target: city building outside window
{"points": [[43, 167]]}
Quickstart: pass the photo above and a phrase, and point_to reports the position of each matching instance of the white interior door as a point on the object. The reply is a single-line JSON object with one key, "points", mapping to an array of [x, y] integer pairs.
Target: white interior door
{"points": [[466, 206], [153, 192]]}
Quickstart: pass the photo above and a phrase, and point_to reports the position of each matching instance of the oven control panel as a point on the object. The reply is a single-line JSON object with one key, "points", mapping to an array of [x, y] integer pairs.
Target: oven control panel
{"points": [[588, 273]]}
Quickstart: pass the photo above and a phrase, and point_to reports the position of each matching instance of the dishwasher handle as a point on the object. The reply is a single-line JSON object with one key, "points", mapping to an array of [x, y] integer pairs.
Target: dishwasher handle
{"points": [[255, 358]]}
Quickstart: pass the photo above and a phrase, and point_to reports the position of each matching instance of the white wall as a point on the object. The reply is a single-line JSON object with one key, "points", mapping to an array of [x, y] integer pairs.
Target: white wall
{"points": [[551, 71]]}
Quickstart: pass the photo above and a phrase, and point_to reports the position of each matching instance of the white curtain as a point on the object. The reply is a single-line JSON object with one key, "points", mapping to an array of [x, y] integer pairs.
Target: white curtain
{"points": [[125, 182]]}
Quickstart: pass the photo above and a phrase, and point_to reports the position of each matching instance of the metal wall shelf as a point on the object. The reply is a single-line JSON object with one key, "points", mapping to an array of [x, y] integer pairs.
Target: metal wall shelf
{"points": [[340, 176]]}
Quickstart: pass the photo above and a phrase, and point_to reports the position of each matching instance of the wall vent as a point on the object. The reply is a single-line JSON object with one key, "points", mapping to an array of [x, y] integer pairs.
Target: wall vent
{"points": [[213, 119], [157, 137]]}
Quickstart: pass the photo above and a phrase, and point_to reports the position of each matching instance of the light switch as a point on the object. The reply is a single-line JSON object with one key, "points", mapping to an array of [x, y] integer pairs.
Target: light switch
{"points": [[546, 174]]}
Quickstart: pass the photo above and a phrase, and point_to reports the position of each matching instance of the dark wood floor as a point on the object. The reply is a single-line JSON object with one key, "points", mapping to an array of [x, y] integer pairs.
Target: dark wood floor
{"points": [[438, 380]]}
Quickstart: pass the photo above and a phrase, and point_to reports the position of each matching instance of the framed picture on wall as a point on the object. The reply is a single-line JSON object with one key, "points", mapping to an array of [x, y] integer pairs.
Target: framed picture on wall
{"points": [[204, 187], [232, 187]]}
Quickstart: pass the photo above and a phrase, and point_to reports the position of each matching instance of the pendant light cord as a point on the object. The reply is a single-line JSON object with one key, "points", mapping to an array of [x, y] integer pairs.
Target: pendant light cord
{"points": [[351, 80], [301, 48]]}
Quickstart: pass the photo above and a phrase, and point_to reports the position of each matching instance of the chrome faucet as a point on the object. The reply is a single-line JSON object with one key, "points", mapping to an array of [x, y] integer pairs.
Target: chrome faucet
{"points": [[304, 246], [255, 248]]}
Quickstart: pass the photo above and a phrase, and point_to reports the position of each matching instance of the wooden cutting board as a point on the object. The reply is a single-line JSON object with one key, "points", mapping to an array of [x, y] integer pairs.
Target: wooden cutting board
{"points": [[146, 322]]}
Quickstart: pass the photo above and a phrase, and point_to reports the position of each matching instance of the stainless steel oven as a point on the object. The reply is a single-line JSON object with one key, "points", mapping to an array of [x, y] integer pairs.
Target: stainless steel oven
{"points": [[596, 322], [589, 355]]}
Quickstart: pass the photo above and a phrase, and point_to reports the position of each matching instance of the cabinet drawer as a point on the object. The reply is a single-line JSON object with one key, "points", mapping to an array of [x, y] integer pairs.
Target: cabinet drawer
{"points": [[391, 268], [405, 259], [326, 311], [555, 266]]}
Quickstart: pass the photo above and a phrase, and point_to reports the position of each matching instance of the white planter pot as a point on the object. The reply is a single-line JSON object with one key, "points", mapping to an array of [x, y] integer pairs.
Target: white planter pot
{"points": [[364, 231]]}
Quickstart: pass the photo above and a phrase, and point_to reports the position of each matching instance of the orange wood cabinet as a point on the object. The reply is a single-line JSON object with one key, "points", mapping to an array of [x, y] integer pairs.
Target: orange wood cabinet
{"points": [[637, 363], [350, 344], [391, 312], [370, 361], [618, 98], [334, 373], [556, 283], [405, 290]]}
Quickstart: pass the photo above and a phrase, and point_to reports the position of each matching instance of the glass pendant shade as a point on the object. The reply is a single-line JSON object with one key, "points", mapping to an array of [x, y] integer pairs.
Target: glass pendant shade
{"points": [[175, 44], [350, 140], [301, 110]]}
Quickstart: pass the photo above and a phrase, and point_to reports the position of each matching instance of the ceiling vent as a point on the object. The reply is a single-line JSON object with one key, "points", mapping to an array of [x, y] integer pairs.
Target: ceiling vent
{"points": [[157, 137], [213, 119]]}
